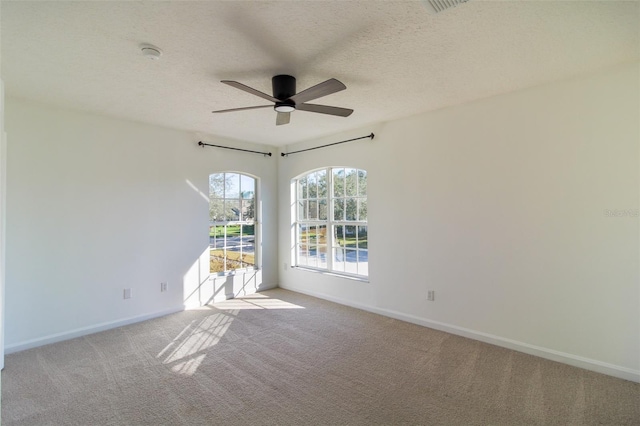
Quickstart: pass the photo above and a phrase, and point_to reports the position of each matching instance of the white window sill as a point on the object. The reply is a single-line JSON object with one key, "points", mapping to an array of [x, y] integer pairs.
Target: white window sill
{"points": [[216, 275], [333, 274]]}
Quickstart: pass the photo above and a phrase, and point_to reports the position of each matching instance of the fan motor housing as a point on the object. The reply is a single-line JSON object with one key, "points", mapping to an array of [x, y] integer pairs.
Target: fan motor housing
{"points": [[284, 86]]}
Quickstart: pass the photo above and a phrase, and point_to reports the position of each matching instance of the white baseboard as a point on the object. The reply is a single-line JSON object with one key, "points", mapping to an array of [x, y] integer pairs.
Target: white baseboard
{"points": [[78, 332], [550, 354]]}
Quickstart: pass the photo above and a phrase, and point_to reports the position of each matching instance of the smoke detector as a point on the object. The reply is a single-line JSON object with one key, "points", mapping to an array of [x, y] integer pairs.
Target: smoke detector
{"points": [[437, 6], [151, 52]]}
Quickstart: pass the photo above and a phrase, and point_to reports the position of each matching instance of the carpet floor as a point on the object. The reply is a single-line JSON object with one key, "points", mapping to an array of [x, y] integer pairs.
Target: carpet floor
{"points": [[282, 358]]}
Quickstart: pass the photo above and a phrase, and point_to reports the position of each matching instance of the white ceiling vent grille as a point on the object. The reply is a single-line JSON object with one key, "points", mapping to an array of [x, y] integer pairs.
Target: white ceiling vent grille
{"points": [[437, 6]]}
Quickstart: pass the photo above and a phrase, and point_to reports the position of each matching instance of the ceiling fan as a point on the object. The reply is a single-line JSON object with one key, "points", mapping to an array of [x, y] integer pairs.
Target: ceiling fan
{"points": [[286, 99]]}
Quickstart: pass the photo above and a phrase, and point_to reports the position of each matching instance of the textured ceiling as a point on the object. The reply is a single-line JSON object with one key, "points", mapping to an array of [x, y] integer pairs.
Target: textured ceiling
{"points": [[394, 57]]}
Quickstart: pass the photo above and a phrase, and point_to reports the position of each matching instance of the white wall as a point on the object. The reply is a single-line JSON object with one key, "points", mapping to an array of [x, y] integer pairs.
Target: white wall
{"points": [[499, 206], [3, 202], [96, 205]]}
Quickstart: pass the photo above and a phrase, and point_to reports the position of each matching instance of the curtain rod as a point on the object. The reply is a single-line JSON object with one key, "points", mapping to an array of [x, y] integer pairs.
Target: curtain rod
{"points": [[324, 146], [202, 144]]}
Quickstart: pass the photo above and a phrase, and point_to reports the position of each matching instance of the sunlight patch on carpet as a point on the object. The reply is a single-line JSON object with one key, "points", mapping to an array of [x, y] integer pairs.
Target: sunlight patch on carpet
{"points": [[255, 303], [187, 351]]}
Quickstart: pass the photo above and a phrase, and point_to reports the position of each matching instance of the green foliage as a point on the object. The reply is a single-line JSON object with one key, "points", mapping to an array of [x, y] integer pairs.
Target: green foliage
{"points": [[248, 229], [349, 194], [232, 230], [228, 201], [351, 236]]}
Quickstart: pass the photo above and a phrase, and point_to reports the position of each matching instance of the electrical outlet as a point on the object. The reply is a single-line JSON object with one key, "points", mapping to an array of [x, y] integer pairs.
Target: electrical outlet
{"points": [[431, 295], [127, 293], [163, 286]]}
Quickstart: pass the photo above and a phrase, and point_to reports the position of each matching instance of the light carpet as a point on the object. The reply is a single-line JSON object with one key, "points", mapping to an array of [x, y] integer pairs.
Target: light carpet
{"points": [[282, 358]]}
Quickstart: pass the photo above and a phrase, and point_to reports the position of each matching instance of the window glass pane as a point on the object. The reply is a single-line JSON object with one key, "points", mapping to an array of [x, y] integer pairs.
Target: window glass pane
{"points": [[249, 231], [216, 210], [247, 186], [322, 234], [246, 248], [362, 209], [313, 209], [248, 253], [233, 247], [338, 182], [338, 209], [322, 183], [216, 185], [311, 234], [312, 259], [363, 262], [233, 261], [322, 256], [302, 234], [350, 236], [217, 261], [362, 237], [351, 182], [302, 210], [338, 236], [302, 187], [233, 238], [322, 210], [303, 253], [351, 209], [312, 185], [216, 236], [249, 210], [232, 210], [232, 185], [362, 183], [351, 261], [338, 259]]}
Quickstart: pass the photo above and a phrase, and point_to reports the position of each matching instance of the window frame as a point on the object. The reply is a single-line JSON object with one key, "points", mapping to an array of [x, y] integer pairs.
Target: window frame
{"points": [[256, 222], [329, 223]]}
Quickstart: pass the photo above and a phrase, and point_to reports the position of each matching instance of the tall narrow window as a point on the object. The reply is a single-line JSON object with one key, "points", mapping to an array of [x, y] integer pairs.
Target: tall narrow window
{"points": [[233, 223], [331, 221]]}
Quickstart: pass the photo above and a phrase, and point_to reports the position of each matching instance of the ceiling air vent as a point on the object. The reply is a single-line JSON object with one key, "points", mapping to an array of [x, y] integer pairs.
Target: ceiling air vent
{"points": [[437, 6]]}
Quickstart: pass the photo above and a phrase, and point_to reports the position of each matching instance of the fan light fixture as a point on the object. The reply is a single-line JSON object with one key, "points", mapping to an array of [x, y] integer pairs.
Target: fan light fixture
{"points": [[286, 99], [284, 108]]}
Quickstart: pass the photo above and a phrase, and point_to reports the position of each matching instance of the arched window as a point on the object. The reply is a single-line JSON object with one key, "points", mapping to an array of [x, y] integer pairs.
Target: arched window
{"points": [[331, 221], [233, 222]]}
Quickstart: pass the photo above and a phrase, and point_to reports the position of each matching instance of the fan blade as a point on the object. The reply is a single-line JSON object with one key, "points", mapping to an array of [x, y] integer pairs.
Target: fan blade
{"points": [[324, 109], [242, 109], [283, 118], [250, 90], [319, 90]]}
